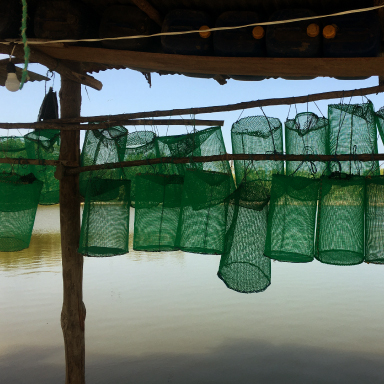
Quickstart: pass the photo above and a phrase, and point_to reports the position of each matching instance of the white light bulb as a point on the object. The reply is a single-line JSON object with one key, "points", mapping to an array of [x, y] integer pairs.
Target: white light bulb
{"points": [[12, 83]]}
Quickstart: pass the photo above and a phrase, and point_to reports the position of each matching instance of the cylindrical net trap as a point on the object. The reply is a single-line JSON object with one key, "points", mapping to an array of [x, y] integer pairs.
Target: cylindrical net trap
{"points": [[203, 213], [157, 212], [140, 145], [19, 197], [102, 146], [306, 134], [105, 224], [374, 220], [340, 223], [292, 219], [207, 142], [14, 147], [45, 145], [352, 131], [243, 266], [257, 135]]}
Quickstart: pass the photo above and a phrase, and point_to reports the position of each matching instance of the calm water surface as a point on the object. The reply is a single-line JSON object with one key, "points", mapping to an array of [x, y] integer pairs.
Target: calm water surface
{"points": [[167, 318]]}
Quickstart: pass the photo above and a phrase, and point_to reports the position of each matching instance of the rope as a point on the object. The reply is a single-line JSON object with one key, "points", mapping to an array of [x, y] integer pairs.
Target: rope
{"points": [[352, 11], [25, 42]]}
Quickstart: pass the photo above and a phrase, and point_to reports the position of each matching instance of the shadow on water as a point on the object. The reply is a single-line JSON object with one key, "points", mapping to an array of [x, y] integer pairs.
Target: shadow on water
{"points": [[233, 362]]}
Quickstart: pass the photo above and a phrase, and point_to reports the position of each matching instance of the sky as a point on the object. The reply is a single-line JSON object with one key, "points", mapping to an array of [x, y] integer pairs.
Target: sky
{"points": [[127, 91]]}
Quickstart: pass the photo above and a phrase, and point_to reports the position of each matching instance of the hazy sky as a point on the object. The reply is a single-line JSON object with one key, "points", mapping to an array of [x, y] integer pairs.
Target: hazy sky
{"points": [[128, 91]]}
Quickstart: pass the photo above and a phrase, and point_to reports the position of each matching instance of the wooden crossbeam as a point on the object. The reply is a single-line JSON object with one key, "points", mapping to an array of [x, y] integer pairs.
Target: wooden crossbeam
{"points": [[44, 125], [230, 107], [227, 157]]}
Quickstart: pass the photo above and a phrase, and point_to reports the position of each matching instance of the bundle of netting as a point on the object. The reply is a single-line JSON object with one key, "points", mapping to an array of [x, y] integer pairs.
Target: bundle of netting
{"points": [[45, 145], [352, 131], [257, 135], [157, 212], [140, 145], [105, 224], [306, 134], [14, 147], [243, 266], [340, 222], [374, 220], [207, 142], [203, 214], [292, 219], [102, 146], [380, 122], [19, 197]]}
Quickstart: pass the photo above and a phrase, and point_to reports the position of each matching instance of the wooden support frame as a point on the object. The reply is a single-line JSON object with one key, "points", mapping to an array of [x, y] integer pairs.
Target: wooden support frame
{"points": [[92, 127], [147, 8], [230, 107], [52, 64], [227, 157], [73, 310]]}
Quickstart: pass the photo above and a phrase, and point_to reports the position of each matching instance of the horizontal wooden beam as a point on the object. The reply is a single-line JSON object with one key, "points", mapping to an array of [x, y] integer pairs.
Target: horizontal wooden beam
{"points": [[21, 161], [90, 127], [213, 65], [231, 107], [227, 157], [53, 64]]}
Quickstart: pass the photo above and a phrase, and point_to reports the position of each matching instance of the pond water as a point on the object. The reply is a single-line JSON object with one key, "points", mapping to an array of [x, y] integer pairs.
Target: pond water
{"points": [[167, 318]]}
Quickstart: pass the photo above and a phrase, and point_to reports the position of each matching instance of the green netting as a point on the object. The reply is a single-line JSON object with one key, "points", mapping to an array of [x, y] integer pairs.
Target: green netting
{"points": [[340, 222], [243, 266], [19, 197], [306, 134], [380, 123], [100, 147], [203, 213], [374, 220], [140, 145], [105, 224], [352, 130], [157, 212], [207, 142], [292, 219], [45, 145], [14, 147], [257, 135]]}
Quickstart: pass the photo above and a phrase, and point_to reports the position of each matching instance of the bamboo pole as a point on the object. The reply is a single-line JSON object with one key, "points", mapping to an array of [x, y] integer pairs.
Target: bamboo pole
{"points": [[55, 163], [73, 311], [227, 157], [89, 127], [230, 107]]}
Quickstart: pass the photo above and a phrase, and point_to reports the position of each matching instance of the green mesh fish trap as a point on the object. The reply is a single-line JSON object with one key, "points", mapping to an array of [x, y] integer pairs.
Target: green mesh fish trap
{"points": [[207, 142], [45, 145], [340, 223], [352, 130], [14, 147], [157, 212], [292, 219], [306, 134], [102, 146], [105, 224], [19, 197], [140, 145], [257, 135], [243, 266], [380, 123], [374, 220], [203, 214]]}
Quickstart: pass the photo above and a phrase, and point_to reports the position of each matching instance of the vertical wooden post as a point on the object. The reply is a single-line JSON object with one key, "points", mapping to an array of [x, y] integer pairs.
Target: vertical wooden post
{"points": [[73, 311]]}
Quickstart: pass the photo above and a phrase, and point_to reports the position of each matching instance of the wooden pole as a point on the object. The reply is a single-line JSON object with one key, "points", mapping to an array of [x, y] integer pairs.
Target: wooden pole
{"points": [[231, 107], [227, 157], [73, 311], [92, 127]]}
